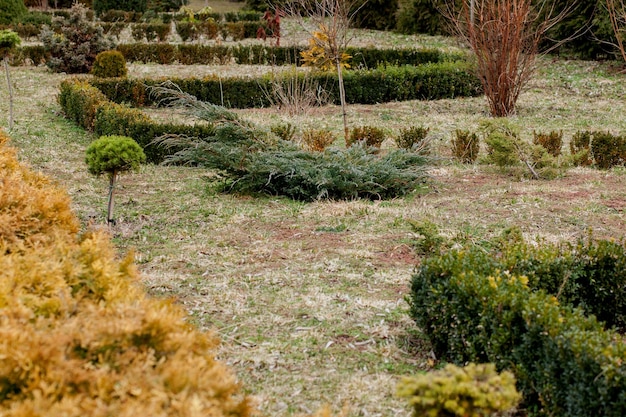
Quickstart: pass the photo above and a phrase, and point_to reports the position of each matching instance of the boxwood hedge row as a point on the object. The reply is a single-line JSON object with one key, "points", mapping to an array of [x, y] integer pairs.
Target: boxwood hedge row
{"points": [[424, 82], [516, 310]]}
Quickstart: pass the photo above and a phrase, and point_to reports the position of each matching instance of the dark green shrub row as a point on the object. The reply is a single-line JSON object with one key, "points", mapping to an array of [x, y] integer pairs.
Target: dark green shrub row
{"points": [[590, 275], [276, 55], [31, 54], [90, 109], [425, 82], [566, 364]]}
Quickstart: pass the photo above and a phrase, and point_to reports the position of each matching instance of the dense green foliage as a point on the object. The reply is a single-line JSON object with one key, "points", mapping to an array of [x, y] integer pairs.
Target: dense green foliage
{"points": [[101, 6], [420, 16], [375, 14], [113, 154], [251, 161], [412, 137], [90, 109], [425, 82], [471, 391], [489, 307], [607, 149], [109, 64], [12, 11], [73, 43], [465, 146], [277, 55], [9, 40], [371, 136]]}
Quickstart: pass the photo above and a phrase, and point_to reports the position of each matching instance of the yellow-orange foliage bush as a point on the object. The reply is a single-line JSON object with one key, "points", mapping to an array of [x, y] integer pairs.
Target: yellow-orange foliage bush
{"points": [[78, 337]]}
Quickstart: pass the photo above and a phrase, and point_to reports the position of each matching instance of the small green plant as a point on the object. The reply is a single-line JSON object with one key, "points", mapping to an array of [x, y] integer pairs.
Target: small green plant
{"points": [[428, 240], [580, 148], [552, 142], [608, 150], [470, 391], [465, 146], [284, 131], [317, 140], [112, 155], [9, 40], [109, 64], [371, 136], [413, 138]]}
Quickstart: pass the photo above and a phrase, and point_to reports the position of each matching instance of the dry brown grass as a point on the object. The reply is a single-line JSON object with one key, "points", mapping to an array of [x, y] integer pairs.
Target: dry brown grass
{"points": [[309, 298]]}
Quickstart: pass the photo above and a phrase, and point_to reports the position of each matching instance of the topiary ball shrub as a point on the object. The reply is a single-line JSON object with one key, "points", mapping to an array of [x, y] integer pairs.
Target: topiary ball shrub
{"points": [[109, 64], [8, 41], [112, 155]]}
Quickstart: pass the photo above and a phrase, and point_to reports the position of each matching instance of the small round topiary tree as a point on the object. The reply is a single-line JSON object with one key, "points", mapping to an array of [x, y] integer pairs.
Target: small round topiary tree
{"points": [[112, 155], [109, 64], [9, 40]]}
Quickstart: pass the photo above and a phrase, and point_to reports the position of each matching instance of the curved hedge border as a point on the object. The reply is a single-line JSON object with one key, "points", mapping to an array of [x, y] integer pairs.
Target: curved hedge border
{"points": [[477, 310], [90, 109], [424, 82]]}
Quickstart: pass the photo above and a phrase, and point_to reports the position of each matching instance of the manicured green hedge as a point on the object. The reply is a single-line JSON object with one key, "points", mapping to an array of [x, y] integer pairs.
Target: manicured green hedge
{"points": [[478, 309], [90, 109], [276, 55], [424, 82]]}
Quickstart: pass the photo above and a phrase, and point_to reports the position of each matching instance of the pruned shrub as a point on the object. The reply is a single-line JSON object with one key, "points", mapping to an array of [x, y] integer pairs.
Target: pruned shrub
{"points": [[101, 6], [109, 64], [465, 146], [552, 142], [285, 131], [608, 150], [73, 43], [580, 148], [470, 391], [317, 140], [76, 321], [480, 306], [80, 102], [413, 138], [371, 136]]}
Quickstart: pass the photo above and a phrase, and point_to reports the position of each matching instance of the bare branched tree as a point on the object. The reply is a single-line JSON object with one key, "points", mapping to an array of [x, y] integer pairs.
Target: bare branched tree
{"points": [[505, 36], [331, 19], [617, 15]]}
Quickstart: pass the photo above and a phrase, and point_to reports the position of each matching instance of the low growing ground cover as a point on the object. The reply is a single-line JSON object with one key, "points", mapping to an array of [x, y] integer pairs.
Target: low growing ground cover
{"points": [[309, 298]]}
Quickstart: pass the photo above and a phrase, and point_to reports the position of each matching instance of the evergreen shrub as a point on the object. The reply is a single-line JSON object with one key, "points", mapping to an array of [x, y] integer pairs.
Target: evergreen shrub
{"points": [[375, 14], [607, 149], [76, 321], [470, 391], [152, 32], [113, 154], [29, 54], [413, 137], [101, 6], [109, 64], [566, 364], [465, 146], [370, 136], [317, 140], [580, 148], [552, 142], [11, 11]]}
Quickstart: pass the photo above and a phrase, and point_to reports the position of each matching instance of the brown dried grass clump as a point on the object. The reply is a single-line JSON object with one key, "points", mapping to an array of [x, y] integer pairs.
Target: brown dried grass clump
{"points": [[77, 334]]}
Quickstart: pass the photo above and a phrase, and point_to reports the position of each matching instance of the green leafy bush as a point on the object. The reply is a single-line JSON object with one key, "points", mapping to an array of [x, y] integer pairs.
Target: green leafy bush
{"points": [[465, 146], [109, 64], [552, 142], [73, 43], [565, 363], [285, 131], [370, 136], [471, 391], [11, 11], [101, 6], [80, 102], [413, 138], [9, 40], [608, 150]]}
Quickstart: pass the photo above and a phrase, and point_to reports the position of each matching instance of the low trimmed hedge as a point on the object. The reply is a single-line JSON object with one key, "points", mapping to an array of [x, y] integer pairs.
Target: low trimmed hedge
{"points": [[276, 55], [90, 109], [477, 310], [425, 82]]}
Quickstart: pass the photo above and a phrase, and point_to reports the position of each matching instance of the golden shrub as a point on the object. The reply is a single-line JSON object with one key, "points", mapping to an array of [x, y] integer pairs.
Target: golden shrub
{"points": [[78, 336]]}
